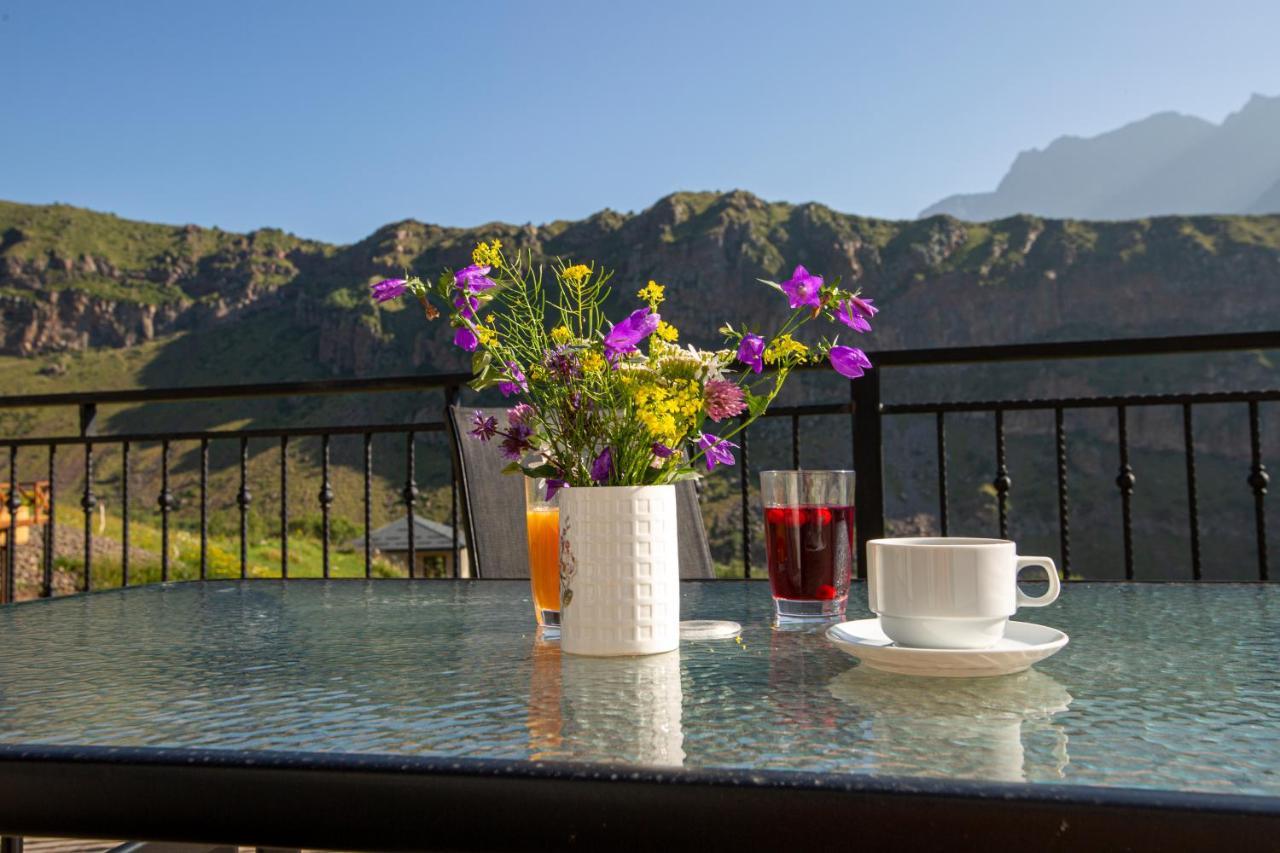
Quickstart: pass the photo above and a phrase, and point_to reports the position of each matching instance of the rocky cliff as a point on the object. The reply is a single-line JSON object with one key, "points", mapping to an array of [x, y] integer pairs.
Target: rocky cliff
{"points": [[72, 279]]}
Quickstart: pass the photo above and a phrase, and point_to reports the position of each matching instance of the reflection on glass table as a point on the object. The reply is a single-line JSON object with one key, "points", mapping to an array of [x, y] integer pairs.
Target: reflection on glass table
{"points": [[1169, 687]]}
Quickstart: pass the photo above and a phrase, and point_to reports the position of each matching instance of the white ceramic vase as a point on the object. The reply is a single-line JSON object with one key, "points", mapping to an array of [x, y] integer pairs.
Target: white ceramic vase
{"points": [[619, 570]]}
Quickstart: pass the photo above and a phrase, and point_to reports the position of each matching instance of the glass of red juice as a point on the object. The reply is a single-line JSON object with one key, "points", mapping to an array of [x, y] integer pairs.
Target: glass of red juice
{"points": [[809, 541]]}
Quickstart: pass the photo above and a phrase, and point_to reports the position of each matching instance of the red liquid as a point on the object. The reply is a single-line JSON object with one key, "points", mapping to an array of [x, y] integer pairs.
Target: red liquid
{"points": [[810, 551]]}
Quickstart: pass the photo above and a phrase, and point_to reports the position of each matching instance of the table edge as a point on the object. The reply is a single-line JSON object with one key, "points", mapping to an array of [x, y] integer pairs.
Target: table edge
{"points": [[272, 797]]}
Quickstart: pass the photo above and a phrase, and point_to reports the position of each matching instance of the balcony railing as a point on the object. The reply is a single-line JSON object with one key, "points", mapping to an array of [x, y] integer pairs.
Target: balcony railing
{"points": [[865, 409]]}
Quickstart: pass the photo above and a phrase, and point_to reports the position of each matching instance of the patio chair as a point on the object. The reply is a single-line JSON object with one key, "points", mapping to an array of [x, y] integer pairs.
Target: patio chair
{"points": [[496, 500]]}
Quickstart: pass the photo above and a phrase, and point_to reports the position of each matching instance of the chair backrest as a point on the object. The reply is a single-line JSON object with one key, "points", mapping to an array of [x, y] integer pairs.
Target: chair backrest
{"points": [[493, 506]]}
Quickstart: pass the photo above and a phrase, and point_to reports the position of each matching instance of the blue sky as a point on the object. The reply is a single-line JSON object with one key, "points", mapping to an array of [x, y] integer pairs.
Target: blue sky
{"points": [[329, 119]]}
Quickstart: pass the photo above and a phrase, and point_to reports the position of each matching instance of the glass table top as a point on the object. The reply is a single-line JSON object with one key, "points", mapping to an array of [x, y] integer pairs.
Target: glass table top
{"points": [[1165, 686]]}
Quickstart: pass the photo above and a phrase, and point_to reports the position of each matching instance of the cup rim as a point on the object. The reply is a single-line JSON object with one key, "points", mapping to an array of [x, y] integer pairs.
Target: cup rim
{"points": [[808, 471], [941, 542]]}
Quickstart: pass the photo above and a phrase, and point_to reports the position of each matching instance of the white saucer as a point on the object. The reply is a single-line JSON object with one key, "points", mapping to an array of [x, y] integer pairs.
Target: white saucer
{"points": [[1024, 644]]}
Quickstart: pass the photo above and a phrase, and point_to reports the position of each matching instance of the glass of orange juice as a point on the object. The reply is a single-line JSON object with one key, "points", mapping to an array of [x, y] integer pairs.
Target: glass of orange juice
{"points": [[542, 521]]}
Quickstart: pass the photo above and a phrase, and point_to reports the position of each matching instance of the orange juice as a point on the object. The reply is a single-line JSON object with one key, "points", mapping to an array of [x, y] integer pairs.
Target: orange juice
{"points": [[543, 525]]}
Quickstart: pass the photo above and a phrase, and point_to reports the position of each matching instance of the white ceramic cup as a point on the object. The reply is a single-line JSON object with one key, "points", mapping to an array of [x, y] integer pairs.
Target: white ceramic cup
{"points": [[948, 592]]}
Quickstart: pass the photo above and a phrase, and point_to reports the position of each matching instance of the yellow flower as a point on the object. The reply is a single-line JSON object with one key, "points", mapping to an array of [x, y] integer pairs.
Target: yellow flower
{"points": [[668, 332], [652, 293], [784, 348], [561, 335], [486, 336], [487, 254], [593, 362], [668, 409], [576, 273]]}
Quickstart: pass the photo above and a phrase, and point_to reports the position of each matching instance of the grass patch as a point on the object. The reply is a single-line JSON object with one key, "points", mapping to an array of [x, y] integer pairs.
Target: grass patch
{"points": [[263, 552]]}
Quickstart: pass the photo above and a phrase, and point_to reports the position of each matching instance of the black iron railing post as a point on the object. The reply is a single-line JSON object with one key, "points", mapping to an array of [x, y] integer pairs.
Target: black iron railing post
{"points": [[410, 495], [1258, 481], [13, 503], [1002, 483], [451, 400], [1193, 503], [368, 505], [124, 514], [204, 508], [868, 462], [1064, 506], [51, 526], [744, 483], [943, 511], [166, 504], [284, 506], [243, 499], [88, 500], [87, 503], [326, 500], [1125, 481]]}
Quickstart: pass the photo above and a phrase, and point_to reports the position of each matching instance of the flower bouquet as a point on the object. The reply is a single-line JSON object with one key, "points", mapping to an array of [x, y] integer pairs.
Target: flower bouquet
{"points": [[621, 408]]}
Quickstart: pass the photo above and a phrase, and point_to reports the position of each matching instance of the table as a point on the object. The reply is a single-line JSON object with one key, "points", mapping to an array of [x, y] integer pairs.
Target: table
{"points": [[412, 713]]}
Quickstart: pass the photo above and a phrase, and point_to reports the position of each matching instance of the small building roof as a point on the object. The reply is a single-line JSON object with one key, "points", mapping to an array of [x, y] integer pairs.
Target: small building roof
{"points": [[428, 535]]}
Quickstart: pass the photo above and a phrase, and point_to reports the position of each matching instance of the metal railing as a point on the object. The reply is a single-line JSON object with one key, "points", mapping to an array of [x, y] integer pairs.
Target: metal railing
{"points": [[87, 404], [868, 447], [865, 408]]}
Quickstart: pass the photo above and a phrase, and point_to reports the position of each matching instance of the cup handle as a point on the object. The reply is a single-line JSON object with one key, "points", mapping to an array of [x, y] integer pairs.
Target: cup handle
{"points": [[1049, 597]]}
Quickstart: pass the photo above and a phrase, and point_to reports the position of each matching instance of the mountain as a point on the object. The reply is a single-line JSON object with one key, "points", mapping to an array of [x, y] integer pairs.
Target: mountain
{"points": [[72, 279], [1269, 201], [1164, 164]]}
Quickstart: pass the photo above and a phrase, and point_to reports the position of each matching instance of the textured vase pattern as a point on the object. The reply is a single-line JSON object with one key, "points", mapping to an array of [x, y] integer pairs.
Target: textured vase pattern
{"points": [[619, 570]]}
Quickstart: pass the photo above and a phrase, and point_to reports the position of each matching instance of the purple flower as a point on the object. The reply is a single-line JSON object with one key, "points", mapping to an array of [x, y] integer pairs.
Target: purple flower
{"points": [[518, 383], [388, 289], [466, 339], [849, 361], [562, 363], [553, 486], [661, 451], [467, 305], [483, 428], [856, 312], [719, 450], [803, 288], [519, 415], [723, 399], [627, 335], [473, 279], [602, 468], [516, 442], [751, 352]]}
